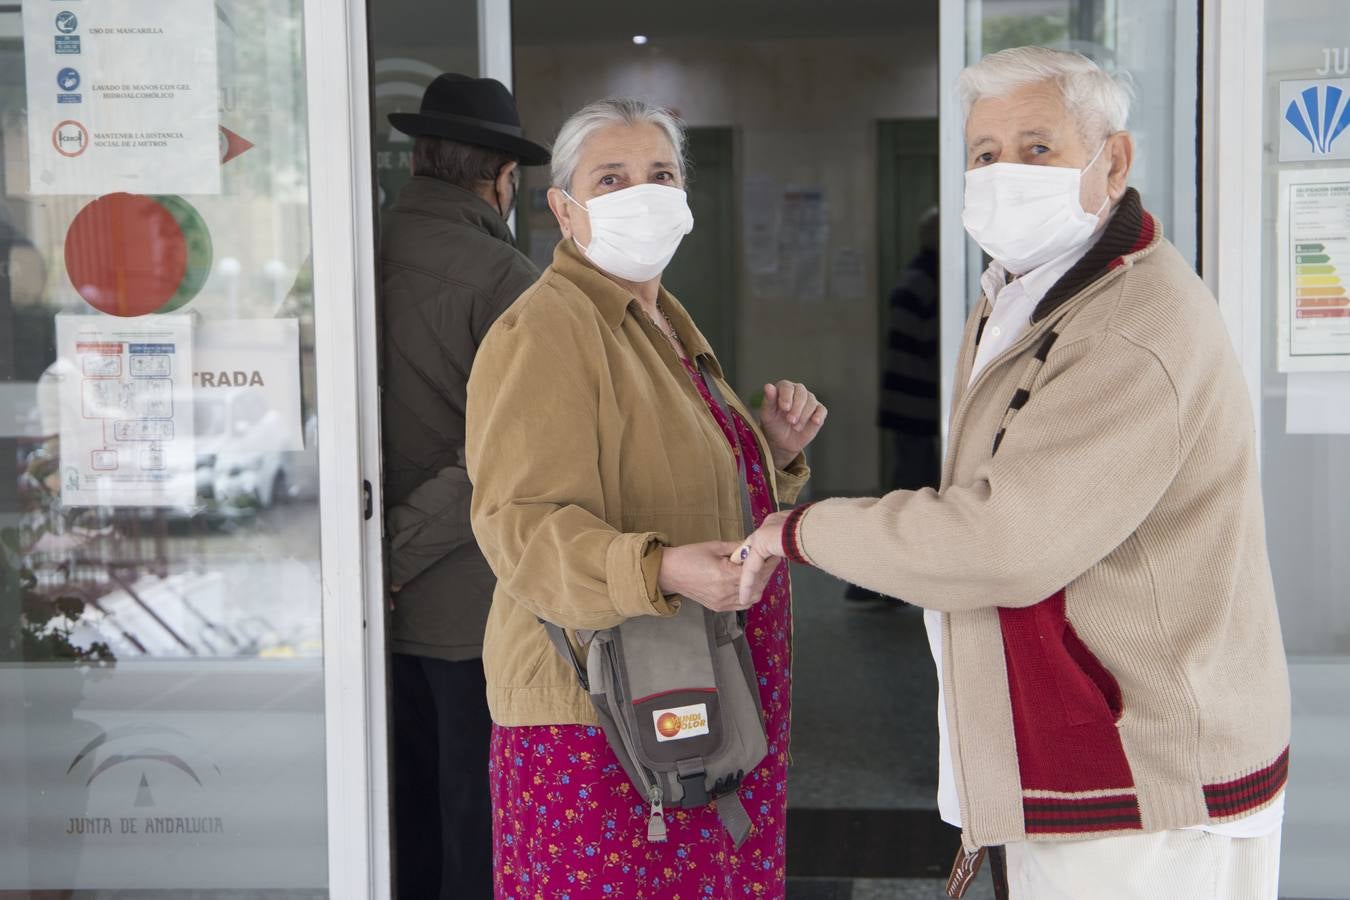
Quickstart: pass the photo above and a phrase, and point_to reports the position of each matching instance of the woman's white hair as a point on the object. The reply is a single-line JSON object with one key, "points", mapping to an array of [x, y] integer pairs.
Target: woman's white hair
{"points": [[1098, 101], [602, 114]]}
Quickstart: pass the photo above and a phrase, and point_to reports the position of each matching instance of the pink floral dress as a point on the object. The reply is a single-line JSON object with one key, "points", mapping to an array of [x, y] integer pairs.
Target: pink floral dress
{"points": [[568, 824]]}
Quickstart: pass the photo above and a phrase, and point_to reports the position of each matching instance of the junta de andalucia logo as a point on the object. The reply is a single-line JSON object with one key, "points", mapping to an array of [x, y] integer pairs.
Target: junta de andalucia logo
{"points": [[1320, 114]]}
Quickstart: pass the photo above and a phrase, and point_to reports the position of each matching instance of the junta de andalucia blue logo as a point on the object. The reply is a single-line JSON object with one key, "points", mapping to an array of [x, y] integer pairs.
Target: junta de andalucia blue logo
{"points": [[1319, 114]]}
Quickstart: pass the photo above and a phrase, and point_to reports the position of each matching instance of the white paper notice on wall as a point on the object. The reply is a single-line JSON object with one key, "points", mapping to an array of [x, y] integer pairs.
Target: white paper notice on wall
{"points": [[802, 241], [760, 221], [1313, 270], [126, 410], [246, 381], [848, 279], [122, 97], [1318, 403]]}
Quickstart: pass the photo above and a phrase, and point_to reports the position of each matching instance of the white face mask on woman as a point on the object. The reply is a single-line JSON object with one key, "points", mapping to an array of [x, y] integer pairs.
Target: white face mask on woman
{"points": [[636, 231], [1024, 216]]}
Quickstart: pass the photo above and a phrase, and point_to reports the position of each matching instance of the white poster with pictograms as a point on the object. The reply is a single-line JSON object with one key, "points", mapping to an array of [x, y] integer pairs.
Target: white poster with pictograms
{"points": [[122, 97], [126, 410]]}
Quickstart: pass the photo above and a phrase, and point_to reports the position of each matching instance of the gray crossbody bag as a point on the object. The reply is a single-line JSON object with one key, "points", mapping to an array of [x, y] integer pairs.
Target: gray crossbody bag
{"points": [[678, 698]]}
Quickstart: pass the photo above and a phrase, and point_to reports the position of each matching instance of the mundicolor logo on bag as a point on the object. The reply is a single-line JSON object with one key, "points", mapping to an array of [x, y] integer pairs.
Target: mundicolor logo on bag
{"points": [[681, 723]]}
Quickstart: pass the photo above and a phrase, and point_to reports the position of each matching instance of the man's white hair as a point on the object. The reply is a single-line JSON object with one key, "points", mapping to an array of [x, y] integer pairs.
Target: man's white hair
{"points": [[602, 114], [1099, 102]]}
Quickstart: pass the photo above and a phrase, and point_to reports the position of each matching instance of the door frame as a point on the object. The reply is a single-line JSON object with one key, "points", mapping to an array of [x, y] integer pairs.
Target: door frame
{"points": [[495, 54], [953, 262], [1232, 53], [892, 254], [342, 208], [705, 145], [494, 41], [1231, 148]]}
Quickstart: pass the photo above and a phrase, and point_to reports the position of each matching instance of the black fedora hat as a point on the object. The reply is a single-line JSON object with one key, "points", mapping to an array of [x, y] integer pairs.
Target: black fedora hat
{"points": [[478, 111]]}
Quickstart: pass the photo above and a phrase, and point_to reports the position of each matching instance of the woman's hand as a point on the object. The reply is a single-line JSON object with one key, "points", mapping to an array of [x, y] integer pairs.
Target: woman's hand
{"points": [[791, 417], [758, 557], [704, 573]]}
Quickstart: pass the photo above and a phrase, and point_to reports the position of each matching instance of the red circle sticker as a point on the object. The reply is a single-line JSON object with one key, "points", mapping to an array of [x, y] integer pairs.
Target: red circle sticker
{"points": [[668, 725], [126, 254], [70, 138]]}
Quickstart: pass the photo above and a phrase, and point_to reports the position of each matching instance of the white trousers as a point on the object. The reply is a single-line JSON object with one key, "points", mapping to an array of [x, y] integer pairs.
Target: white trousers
{"points": [[1167, 865]]}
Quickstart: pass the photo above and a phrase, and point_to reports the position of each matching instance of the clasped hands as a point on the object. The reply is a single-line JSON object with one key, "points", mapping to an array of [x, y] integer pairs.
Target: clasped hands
{"points": [[726, 576]]}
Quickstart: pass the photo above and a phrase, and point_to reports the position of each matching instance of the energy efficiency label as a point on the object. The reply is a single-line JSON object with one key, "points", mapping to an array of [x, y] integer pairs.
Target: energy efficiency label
{"points": [[1313, 240]]}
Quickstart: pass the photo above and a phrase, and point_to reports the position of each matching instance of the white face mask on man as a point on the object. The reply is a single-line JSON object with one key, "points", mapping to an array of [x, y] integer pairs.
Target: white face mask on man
{"points": [[1024, 216], [636, 231]]}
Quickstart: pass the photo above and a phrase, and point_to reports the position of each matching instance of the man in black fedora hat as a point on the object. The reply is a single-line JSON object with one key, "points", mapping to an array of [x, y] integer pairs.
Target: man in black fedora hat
{"points": [[449, 268]]}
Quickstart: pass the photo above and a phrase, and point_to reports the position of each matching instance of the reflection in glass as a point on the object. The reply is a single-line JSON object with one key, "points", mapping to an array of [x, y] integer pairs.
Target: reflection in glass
{"points": [[1307, 490], [161, 662]]}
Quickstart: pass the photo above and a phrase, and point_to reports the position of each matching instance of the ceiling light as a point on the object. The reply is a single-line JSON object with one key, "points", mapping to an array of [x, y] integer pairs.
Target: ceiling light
{"points": [[639, 39]]}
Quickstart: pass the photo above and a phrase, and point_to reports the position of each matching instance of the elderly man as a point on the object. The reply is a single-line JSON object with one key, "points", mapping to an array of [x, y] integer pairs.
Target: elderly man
{"points": [[448, 268], [1115, 704]]}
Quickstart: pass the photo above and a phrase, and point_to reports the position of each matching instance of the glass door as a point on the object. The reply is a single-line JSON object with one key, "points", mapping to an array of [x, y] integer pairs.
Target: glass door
{"points": [[184, 681], [1305, 389]]}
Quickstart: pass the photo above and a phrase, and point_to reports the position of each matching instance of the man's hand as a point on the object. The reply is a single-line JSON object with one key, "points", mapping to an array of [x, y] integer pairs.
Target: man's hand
{"points": [[704, 573], [758, 557], [791, 417]]}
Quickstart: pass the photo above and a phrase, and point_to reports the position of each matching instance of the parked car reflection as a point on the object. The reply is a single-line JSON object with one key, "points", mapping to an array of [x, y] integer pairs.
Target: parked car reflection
{"points": [[241, 467]]}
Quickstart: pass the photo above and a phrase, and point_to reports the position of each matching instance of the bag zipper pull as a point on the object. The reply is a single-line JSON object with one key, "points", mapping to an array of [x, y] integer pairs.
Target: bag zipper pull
{"points": [[656, 822]]}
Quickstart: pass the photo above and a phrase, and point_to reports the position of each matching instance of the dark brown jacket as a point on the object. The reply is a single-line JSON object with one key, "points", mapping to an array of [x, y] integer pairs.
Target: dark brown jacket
{"points": [[448, 269]]}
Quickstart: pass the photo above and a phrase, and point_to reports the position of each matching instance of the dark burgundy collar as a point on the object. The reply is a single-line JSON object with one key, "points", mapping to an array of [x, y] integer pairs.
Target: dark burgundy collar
{"points": [[1130, 230]]}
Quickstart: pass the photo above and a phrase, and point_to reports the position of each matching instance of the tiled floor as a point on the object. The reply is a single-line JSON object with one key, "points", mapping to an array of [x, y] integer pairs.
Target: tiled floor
{"points": [[864, 729], [864, 750], [918, 889], [881, 889], [1316, 829]]}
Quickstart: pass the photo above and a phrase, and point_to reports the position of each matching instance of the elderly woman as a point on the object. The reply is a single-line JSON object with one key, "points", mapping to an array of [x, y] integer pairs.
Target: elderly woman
{"points": [[607, 485]]}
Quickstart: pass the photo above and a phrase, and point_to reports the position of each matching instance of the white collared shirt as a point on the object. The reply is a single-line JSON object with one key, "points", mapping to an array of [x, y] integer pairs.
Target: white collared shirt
{"points": [[1012, 305], [1014, 302]]}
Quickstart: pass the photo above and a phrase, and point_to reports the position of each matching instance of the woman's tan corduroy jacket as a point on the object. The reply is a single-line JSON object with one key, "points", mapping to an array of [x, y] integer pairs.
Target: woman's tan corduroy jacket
{"points": [[589, 450]]}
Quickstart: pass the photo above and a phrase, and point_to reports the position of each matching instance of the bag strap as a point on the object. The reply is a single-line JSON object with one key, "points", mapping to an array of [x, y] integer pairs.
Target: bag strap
{"points": [[747, 508], [559, 638], [734, 818], [558, 635]]}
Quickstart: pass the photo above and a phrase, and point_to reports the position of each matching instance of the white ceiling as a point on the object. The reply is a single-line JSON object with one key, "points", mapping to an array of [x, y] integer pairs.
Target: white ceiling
{"points": [[453, 23], [587, 21]]}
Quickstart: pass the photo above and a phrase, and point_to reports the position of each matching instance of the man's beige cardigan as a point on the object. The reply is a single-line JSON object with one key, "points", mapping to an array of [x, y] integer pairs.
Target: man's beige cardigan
{"points": [[1113, 660]]}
